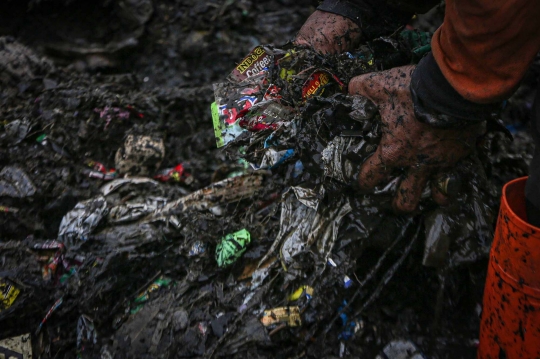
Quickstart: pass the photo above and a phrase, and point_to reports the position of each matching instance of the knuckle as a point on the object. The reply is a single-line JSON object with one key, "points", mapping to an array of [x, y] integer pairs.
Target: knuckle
{"points": [[366, 179], [404, 206], [392, 153]]}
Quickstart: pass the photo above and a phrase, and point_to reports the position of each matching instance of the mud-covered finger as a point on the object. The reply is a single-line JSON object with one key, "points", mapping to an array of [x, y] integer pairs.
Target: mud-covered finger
{"points": [[410, 190], [373, 171]]}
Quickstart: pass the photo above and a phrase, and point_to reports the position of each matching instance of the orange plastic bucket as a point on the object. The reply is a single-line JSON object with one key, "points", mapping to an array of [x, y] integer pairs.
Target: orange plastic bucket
{"points": [[510, 326]]}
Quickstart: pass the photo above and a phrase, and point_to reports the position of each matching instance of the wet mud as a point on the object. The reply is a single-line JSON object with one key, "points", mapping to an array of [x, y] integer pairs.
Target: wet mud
{"points": [[130, 270]]}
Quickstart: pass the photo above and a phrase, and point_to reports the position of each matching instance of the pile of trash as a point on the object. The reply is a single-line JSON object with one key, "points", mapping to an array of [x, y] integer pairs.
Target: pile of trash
{"points": [[123, 237]]}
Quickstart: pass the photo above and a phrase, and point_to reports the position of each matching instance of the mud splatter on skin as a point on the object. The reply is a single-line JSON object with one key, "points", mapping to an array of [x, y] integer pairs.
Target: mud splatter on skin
{"points": [[420, 149]]}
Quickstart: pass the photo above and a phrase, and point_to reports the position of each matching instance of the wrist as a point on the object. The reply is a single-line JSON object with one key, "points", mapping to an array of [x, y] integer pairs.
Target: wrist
{"points": [[438, 104]]}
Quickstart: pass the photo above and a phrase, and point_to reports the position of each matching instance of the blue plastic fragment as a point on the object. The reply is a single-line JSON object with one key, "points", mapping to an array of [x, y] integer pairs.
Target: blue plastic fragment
{"points": [[288, 154], [298, 169], [347, 282]]}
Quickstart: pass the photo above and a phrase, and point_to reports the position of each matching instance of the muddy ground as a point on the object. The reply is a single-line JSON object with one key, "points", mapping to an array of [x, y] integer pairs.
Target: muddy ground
{"points": [[87, 75]]}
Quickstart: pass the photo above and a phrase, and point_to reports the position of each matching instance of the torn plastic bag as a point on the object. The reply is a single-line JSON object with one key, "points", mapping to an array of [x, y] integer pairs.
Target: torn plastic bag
{"points": [[55, 267], [363, 109], [197, 248], [302, 226], [14, 182], [309, 197], [144, 296], [295, 224], [461, 232], [325, 227], [78, 223], [125, 238], [174, 174], [335, 165]]}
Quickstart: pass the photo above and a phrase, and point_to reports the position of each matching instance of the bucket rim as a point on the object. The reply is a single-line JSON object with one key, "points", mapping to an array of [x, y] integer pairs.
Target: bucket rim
{"points": [[504, 201]]}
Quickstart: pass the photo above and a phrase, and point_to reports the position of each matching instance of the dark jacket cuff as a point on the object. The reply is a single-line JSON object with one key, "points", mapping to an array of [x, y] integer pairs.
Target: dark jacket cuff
{"points": [[437, 103], [374, 17]]}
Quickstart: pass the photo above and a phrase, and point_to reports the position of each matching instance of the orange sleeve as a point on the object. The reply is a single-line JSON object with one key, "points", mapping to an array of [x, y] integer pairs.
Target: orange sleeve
{"points": [[484, 47]]}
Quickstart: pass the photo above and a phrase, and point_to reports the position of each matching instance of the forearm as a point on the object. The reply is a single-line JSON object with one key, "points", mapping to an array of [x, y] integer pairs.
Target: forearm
{"points": [[480, 54]]}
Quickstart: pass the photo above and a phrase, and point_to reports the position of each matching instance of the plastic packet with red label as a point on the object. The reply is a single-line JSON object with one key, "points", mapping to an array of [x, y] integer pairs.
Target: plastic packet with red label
{"points": [[233, 101], [54, 264], [99, 171], [175, 174], [321, 82]]}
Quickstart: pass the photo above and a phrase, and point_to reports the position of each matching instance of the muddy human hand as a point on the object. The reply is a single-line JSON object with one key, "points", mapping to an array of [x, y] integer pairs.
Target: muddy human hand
{"points": [[328, 33], [422, 151]]}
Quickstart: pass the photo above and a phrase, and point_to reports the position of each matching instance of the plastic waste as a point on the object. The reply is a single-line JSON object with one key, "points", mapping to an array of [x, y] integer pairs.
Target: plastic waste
{"points": [[14, 182], [231, 247], [400, 349], [50, 312], [143, 297], [86, 333], [82, 220], [19, 347], [303, 290], [8, 294], [288, 315]]}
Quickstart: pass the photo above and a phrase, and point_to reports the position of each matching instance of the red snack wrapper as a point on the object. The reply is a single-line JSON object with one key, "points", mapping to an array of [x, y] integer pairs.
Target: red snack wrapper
{"points": [[99, 171], [175, 174], [318, 83]]}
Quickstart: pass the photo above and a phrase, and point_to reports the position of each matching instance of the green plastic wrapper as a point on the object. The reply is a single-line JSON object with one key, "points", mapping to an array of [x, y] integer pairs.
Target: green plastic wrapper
{"points": [[419, 42], [231, 247], [145, 295]]}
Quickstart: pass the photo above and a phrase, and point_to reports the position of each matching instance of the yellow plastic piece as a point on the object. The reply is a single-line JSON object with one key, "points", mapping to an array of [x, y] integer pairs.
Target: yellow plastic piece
{"points": [[298, 293]]}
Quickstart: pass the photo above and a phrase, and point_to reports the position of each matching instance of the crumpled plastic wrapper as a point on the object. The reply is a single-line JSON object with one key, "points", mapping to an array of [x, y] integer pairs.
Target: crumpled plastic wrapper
{"points": [[78, 223]]}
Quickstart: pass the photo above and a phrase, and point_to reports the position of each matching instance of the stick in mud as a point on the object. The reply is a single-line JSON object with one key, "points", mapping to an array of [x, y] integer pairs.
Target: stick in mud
{"points": [[377, 266]]}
